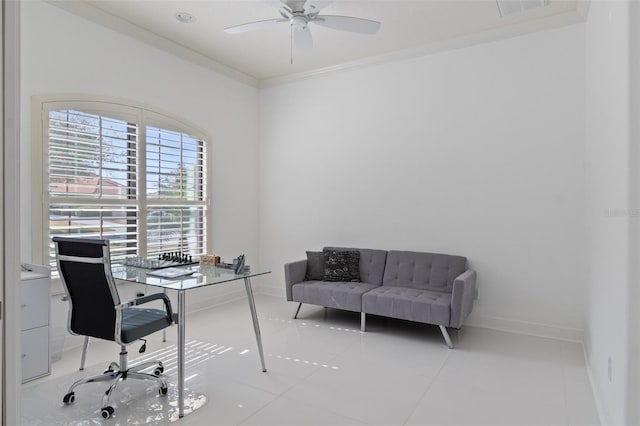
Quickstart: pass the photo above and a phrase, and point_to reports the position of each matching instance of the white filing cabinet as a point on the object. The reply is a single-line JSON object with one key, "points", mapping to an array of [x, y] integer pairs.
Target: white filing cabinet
{"points": [[36, 296]]}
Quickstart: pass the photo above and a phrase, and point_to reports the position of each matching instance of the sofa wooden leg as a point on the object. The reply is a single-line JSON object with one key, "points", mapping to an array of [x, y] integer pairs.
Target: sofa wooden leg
{"points": [[445, 334], [363, 321], [297, 311]]}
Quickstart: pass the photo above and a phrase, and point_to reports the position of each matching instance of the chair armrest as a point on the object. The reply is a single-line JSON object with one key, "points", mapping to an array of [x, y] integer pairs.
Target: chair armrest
{"points": [[462, 296], [294, 273], [150, 298]]}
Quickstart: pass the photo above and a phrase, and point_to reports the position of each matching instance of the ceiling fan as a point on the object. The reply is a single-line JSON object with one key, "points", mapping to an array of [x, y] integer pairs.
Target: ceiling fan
{"points": [[299, 14]]}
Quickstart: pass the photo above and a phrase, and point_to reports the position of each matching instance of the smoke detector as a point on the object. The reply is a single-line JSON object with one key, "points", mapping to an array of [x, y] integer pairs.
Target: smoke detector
{"points": [[185, 18]]}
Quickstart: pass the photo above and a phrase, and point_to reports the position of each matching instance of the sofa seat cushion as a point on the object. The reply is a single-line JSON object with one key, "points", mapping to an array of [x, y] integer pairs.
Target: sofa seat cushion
{"points": [[341, 295], [432, 307]]}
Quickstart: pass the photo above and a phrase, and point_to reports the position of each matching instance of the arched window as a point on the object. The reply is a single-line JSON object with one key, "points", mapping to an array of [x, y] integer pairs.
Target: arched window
{"points": [[121, 172]]}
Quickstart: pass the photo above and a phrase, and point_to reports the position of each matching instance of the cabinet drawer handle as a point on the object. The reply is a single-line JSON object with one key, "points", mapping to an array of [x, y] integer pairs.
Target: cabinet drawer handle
{"points": [[24, 305]]}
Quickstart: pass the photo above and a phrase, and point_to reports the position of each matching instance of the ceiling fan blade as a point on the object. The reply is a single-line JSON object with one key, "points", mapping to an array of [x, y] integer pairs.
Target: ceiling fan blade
{"points": [[348, 23], [315, 6], [253, 26], [277, 4], [302, 40], [284, 9]]}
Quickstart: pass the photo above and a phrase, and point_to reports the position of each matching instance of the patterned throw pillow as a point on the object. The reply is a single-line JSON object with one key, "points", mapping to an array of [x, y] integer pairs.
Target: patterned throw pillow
{"points": [[342, 266], [315, 266]]}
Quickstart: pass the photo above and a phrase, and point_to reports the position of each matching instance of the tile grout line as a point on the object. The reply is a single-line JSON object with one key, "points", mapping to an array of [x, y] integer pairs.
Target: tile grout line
{"points": [[317, 369], [306, 377], [336, 348], [415, 408]]}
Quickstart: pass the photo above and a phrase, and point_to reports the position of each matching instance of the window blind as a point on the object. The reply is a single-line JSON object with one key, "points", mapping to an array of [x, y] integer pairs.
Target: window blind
{"points": [[176, 173], [175, 166], [117, 223], [91, 156], [92, 180], [93, 184], [172, 228]]}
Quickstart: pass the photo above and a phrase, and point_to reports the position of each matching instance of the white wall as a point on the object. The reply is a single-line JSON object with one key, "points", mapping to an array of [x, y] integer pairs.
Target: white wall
{"points": [[608, 189], [62, 53], [633, 297], [477, 152]]}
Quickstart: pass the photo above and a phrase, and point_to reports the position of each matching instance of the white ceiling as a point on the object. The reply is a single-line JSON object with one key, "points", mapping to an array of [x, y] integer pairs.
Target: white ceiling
{"points": [[262, 58]]}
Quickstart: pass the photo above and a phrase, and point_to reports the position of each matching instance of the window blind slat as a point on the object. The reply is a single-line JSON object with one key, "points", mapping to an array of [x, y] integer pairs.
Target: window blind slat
{"points": [[92, 164]]}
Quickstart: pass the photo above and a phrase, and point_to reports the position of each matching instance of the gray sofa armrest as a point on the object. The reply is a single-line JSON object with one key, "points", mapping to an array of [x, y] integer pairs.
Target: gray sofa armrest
{"points": [[462, 296], [294, 273]]}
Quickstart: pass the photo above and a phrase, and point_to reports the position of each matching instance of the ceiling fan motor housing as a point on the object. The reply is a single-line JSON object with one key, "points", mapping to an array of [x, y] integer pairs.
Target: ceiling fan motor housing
{"points": [[299, 22]]}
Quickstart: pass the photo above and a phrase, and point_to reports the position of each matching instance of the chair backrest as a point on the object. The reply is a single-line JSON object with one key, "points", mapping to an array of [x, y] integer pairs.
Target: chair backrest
{"points": [[85, 270]]}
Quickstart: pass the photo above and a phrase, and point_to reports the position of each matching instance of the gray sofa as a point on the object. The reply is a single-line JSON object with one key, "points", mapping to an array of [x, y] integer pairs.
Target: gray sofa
{"points": [[429, 288]]}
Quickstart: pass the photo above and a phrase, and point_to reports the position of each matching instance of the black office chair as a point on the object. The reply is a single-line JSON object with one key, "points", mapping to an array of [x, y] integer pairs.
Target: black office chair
{"points": [[95, 310]]}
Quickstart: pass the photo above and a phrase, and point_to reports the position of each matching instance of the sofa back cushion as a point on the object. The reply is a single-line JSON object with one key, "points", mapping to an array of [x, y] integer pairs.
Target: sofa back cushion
{"points": [[342, 265], [426, 271], [315, 266], [371, 263]]}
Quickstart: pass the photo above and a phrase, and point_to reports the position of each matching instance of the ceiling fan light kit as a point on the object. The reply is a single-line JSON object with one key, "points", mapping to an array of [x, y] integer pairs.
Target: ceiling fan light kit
{"points": [[299, 14]]}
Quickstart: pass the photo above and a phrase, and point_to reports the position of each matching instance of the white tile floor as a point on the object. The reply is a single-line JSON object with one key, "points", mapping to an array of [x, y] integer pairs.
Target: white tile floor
{"points": [[325, 372]]}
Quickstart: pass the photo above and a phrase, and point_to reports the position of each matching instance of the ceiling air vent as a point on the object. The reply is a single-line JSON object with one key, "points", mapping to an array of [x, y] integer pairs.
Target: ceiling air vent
{"points": [[509, 7]]}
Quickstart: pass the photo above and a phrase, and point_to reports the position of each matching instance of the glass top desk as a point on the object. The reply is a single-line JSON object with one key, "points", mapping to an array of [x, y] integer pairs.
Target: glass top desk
{"points": [[201, 277]]}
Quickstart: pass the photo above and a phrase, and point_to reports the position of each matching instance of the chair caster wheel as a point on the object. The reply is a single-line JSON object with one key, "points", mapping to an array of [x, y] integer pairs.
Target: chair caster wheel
{"points": [[108, 371], [107, 412], [163, 391], [69, 398], [158, 371]]}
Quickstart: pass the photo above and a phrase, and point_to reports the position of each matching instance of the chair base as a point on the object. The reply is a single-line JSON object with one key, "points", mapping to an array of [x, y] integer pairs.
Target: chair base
{"points": [[115, 373]]}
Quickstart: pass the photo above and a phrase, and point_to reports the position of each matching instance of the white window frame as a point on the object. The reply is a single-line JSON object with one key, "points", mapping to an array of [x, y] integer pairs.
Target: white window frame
{"points": [[142, 115]]}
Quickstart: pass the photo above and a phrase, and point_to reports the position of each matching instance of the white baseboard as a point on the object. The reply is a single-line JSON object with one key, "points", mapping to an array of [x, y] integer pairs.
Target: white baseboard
{"points": [[594, 389], [199, 304], [484, 321], [271, 291], [525, 327], [495, 323], [193, 305]]}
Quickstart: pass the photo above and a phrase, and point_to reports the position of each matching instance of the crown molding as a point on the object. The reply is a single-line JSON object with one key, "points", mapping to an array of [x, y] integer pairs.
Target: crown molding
{"points": [[541, 24], [88, 11], [92, 13]]}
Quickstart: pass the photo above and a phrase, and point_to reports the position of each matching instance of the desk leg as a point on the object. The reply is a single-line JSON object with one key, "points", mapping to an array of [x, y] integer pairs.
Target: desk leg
{"points": [[181, 343], [164, 330], [254, 315]]}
